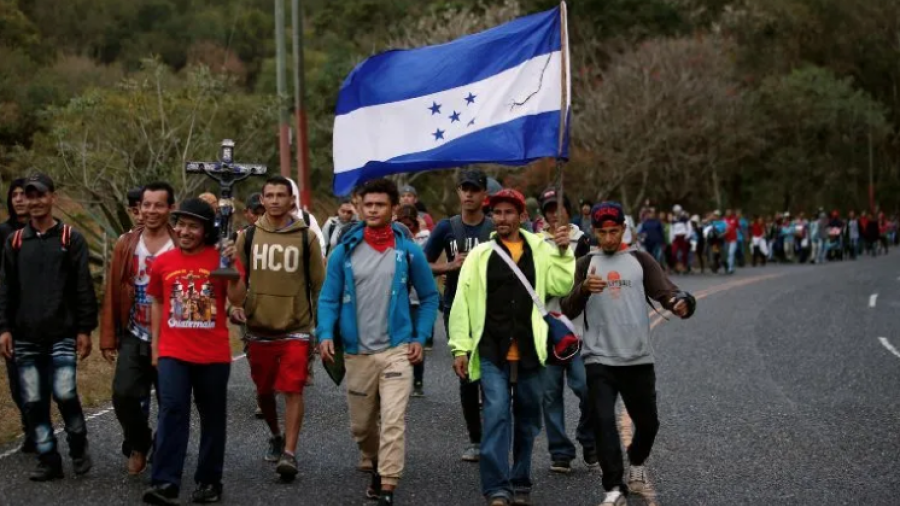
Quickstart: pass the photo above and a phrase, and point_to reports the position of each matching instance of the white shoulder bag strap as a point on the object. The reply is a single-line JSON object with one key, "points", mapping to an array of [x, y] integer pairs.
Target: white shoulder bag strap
{"points": [[519, 274]]}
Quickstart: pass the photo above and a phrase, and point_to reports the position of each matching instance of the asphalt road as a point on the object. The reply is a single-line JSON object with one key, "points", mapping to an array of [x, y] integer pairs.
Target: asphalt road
{"points": [[779, 391]]}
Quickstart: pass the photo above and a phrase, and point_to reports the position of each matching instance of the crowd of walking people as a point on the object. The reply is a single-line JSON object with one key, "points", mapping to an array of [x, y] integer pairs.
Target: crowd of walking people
{"points": [[525, 281], [684, 243]]}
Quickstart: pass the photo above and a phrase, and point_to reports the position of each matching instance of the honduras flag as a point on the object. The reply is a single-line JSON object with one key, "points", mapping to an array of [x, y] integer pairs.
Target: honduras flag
{"points": [[493, 97]]}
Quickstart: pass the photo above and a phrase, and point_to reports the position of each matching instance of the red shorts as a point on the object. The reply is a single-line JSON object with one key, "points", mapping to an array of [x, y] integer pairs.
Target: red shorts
{"points": [[279, 366]]}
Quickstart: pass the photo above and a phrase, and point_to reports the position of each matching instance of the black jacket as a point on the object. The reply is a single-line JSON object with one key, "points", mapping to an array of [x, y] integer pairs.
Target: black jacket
{"points": [[508, 312], [6, 229], [46, 291], [12, 224]]}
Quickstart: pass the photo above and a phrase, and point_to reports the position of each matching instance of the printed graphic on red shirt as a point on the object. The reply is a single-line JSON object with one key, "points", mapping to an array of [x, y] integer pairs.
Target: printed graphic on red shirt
{"points": [[192, 303], [193, 326]]}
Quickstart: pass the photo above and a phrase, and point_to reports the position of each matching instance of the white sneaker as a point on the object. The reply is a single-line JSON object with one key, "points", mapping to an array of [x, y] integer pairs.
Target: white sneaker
{"points": [[614, 498], [638, 479], [472, 453]]}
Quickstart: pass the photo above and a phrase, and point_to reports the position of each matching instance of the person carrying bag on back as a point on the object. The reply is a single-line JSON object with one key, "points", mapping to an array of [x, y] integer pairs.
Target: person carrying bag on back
{"points": [[612, 290]]}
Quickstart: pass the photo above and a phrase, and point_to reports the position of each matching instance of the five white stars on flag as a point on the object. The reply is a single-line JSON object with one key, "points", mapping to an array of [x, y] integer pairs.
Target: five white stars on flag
{"points": [[454, 117]]}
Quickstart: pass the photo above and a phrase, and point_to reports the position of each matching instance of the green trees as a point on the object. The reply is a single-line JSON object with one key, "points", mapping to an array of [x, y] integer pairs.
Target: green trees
{"points": [[764, 104], [109, 140], [818, 132]]}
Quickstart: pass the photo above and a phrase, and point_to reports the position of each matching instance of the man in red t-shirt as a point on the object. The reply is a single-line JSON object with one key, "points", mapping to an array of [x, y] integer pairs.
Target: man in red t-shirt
{"points": [[191, 352], [758, 241], [731, 237]]}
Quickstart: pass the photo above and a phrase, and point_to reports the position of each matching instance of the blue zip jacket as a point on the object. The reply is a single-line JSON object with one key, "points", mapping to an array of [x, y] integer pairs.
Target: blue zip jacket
{"points": [[337, 300]]}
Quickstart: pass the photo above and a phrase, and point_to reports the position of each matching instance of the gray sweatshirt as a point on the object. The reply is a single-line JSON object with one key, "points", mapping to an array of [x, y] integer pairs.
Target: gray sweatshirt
{"points": [[616, 321]]}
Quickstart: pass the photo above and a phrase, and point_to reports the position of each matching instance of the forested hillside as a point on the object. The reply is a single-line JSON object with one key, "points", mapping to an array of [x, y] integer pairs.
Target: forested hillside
{"points": [[764, 104]]}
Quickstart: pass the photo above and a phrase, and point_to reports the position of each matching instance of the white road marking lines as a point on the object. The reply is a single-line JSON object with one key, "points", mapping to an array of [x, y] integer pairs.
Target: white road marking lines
{"points": [[98, 414], [873, 299], [887, 344]]}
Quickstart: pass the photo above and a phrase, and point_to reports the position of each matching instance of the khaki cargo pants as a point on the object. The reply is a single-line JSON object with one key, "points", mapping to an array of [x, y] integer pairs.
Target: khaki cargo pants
{"points": [[378, 388]]}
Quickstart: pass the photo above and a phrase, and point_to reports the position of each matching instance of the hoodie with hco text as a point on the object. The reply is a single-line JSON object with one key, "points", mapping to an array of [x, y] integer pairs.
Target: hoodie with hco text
{"points": [[277, 301]]}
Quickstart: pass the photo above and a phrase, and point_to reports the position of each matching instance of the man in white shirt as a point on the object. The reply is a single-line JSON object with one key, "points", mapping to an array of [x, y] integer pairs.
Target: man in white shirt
{"points": [[125, 324]]}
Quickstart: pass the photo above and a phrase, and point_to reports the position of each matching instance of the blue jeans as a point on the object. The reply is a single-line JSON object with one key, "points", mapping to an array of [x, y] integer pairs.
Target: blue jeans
{"points": [[656, 251], [558, 442], [47, 369], [820, 251], [512, 414], [12, 376], [732, 250], [209, 383]]}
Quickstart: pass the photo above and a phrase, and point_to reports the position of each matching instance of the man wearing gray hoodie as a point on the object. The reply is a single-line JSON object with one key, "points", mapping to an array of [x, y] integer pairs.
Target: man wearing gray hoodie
{"points": [[612, 289]]}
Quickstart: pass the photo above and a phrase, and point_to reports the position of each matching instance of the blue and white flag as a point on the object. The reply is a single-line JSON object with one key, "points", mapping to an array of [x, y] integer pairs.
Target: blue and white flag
{"points": [[492, 97]]}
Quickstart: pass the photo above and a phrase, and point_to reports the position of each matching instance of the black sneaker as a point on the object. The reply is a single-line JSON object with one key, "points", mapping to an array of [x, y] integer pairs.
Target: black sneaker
{"points": [[590, 458], [81, 465], [287, 467], [418, 390], [374, 490], [276, 448], [49, 468], [563, 466], [164, 495], [386, 499], [207, 493]]}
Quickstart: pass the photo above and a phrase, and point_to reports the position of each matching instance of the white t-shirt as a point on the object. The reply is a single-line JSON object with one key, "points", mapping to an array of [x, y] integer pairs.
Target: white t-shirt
{"points": [[421, 239], [628, 236], [139, 320]]}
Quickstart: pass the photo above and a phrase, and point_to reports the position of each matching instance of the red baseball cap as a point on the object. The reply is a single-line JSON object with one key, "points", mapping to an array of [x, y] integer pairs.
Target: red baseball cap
{"points": [[512, 196], [607, 211]]}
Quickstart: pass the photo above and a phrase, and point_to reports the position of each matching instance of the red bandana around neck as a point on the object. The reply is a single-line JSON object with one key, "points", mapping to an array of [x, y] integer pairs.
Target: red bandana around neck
{"points": [[380, 239]]}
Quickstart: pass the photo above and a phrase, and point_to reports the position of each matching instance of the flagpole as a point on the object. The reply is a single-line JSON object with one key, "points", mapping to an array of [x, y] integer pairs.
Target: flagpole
{"points": [[563, 110]]}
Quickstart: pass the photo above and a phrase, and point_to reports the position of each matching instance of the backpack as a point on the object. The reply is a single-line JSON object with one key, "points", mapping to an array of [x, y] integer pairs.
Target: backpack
{"points": [[305, 216], [459, 232], [250, 233], [65, 238]]}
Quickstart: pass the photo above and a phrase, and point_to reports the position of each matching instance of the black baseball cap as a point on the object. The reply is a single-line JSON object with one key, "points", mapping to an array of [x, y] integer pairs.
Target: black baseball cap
{"points": [[254, 202], [40, 182], [134, 196], [473, 177], [551, 196], [196, 208], [607, 211]]}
